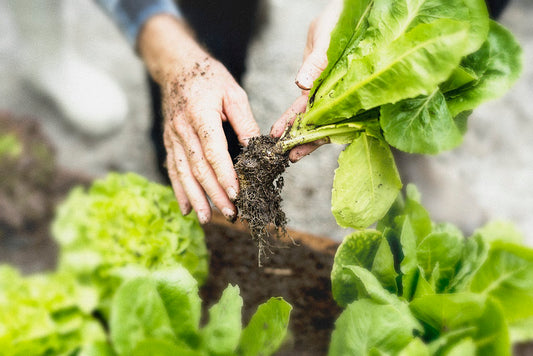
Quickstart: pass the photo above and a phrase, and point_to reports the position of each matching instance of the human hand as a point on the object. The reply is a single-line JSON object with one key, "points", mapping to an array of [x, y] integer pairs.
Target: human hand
{"points": [[315, 60], [198, 95]]}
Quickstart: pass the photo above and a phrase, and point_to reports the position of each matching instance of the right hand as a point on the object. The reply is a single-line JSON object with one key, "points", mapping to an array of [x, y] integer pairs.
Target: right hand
{"points": [[198, 95]]}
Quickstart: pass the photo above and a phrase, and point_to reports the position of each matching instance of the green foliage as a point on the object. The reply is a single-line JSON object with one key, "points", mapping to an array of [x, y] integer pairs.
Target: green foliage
{"points": [[266, 330], [127, 284], [123, 221], [145, 312], [366, 182], [45, 314], [403, 73], [449, 294]]}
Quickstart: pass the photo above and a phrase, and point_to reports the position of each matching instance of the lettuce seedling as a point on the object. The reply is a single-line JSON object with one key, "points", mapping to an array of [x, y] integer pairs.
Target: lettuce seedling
{"points": [[403, 73], [123, 221], [413, 286]]}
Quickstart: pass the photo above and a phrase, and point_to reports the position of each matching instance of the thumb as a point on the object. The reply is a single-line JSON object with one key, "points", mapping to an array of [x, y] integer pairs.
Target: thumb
{"points": [[312, 67]]}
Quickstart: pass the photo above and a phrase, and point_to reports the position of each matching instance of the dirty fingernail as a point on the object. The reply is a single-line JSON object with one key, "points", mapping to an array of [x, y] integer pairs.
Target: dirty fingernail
{"points": [[232, 193], [185, 210], [229, 214], [203, 218]]}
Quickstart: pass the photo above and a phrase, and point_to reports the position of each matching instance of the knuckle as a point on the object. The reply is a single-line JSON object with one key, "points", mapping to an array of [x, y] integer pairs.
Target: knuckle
{"points": [[200, 171], [240, 93]]}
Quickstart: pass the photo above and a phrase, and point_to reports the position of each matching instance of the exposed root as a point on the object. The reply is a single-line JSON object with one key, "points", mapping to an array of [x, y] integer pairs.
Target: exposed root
{"points": [[259, 169]]}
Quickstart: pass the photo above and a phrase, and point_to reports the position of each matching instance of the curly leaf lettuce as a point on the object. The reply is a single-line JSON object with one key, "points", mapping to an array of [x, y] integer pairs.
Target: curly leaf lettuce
{"points": [[45, 314], [122, 221]]}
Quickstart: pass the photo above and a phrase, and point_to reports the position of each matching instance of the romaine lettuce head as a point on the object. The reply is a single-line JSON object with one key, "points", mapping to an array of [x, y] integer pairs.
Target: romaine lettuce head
{"points": [[125, 221], [45, 314]]}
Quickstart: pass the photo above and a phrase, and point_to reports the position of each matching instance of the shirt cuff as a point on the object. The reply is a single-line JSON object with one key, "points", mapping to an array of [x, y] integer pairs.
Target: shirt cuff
{"points": [[131, 15]]}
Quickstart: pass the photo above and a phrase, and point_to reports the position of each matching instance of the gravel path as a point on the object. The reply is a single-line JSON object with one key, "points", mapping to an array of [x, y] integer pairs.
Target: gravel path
{"points": [[489, 176]]}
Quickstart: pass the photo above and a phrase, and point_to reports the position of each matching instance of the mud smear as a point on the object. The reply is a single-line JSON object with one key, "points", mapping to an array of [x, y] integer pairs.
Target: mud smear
{"points": [[259, 168]]}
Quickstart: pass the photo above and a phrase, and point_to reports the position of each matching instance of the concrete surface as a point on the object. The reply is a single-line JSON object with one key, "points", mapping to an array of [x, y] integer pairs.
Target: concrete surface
{"points": [[489, 176]]}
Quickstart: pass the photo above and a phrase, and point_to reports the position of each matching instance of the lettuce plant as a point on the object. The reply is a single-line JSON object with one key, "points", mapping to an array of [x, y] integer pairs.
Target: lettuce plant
{"points": [[123, 221], [402, 73], [45, 314], [414, 287], [159, 314]]}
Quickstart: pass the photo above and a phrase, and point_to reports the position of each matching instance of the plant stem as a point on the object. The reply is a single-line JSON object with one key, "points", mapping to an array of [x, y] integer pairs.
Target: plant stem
{"points": [[287, 142]]}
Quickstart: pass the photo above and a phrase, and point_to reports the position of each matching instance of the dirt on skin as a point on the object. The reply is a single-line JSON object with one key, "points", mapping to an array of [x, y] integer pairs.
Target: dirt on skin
{"points": [[259, 168]]}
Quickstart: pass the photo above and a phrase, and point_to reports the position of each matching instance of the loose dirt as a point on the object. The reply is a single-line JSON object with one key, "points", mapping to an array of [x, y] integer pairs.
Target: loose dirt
{"points": [[259, 168]]}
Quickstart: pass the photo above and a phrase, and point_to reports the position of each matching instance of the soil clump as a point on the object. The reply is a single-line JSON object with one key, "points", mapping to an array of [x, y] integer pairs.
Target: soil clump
{"points": [[259, 168]]}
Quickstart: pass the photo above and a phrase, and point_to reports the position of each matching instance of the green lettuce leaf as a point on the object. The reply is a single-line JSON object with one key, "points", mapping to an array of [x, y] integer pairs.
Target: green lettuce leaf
{"points": [[507, 276], [365, 184], [420, 125], [357, 249], [440, 251], [45, 314], [150, 347], [345, 37], [368, 327], [267, 329], [464, 347], [138, 313], [222, 333], [123, 221], [179, 292], [423, 58], [498, 64]]}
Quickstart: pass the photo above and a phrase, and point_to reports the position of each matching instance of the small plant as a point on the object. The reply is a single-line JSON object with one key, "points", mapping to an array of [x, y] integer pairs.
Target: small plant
{"points": [[125, 220], [403, 73], [414, 287], [159, 314]]}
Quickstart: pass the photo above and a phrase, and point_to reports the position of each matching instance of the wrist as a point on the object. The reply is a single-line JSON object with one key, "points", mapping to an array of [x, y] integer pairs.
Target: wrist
{"points": [[166, 45]]}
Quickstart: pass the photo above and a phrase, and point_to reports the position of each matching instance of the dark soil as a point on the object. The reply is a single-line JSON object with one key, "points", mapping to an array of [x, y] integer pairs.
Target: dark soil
{"points": [[259, 168], [300, 273]]}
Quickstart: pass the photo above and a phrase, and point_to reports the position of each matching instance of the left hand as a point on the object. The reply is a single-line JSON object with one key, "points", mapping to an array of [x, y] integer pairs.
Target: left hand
{"points": [[315, 60]]}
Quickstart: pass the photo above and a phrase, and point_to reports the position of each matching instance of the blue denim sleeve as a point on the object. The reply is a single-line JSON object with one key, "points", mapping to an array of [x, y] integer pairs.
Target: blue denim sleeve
{"points": [[130, 15]]}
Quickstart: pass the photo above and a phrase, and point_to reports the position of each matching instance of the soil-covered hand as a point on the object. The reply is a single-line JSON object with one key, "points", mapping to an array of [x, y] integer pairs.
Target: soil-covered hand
{"points": [[315, 61], [198, 95]]}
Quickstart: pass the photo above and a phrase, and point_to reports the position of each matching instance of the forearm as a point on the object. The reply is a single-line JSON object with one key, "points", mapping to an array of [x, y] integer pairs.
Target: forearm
{"points": [[167, 45]]}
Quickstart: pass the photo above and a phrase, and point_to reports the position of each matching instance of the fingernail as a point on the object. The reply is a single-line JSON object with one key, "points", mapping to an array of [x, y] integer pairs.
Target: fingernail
{"points": [[232, 193], [185, 210], [229, 214], [203, 218], [246, 141], [303, 82]]}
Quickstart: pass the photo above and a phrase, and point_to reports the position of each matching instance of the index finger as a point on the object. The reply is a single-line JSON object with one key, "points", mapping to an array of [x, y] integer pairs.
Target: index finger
{"points": [[239, 114], [289, 116]]}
